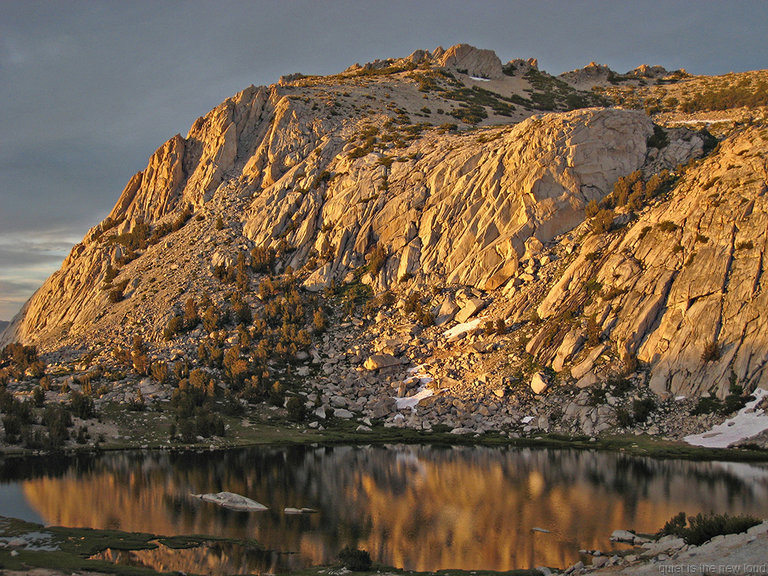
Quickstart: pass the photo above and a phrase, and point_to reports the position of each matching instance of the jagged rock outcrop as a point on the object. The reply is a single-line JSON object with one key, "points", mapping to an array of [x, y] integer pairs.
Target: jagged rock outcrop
{"points": [[591, 75], [682, 286], [472, 61], [531, 180]]}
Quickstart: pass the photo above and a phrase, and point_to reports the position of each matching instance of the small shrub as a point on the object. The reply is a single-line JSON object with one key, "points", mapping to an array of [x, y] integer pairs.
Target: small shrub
{"points": [[191, 315], [703, 527], [711, 351], [644, 232], [115, 296], [13, 427], [624, 418], [425, 317], [597, 396], [82, 406], [137, 403], [160, 372], [706, 405], [659, 139], [211, 319], [174, 326], [641, 409], [593, 286], [297, 411], [355, 560], [377, 259], [603, 221], [667, 226], [319, 320], [591, 210]]}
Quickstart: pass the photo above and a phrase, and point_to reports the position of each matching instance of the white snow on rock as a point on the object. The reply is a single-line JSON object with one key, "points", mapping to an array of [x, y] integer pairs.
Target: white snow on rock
{"points": [[460, 330], [748, 422], [424, 379], [232, 501], [480, 79], [412, 401]]}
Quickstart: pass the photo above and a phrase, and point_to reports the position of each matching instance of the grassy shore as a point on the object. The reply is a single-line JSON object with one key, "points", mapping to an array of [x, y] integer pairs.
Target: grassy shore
{"points": [[147, 431], [75, 549]]}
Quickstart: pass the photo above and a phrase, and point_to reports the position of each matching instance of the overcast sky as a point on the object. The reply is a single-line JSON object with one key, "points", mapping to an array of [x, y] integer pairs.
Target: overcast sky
{"points": [[88, 90]]}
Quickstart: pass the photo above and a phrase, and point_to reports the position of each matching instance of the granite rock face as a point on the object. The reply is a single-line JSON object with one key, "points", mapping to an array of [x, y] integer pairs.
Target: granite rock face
{"points": [[682, 286], [340, 181]]}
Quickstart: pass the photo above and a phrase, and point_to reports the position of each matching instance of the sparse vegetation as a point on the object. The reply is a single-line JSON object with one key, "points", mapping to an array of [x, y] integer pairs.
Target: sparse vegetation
{"points": [[659, 139], [355, 560], [711, 351], [697, 530], [602, 221]]}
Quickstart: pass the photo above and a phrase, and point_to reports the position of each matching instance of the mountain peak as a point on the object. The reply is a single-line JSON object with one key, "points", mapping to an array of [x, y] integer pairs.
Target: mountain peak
{"points": [[472, 61]]}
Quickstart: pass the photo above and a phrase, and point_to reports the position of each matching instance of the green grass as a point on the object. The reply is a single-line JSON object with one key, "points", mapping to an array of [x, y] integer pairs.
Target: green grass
{"points": [[75, 545], [256, 430]]}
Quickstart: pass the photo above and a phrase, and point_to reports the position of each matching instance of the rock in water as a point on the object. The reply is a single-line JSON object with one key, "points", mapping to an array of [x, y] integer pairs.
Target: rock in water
{"points": [[232, 501]]}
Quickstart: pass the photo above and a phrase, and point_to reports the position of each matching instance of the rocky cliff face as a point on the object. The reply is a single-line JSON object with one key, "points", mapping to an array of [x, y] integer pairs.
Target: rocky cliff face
{"points": [[364, 177], [681, 286]]}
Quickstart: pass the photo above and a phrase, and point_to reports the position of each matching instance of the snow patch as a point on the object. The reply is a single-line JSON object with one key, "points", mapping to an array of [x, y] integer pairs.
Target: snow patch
{"points": [[460, 330], [747, 423], [480, 79], [424, 379], [412, 401]]}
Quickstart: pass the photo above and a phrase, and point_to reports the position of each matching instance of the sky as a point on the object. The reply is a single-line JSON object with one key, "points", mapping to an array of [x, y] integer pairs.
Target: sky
{"points": [[88, 90]]}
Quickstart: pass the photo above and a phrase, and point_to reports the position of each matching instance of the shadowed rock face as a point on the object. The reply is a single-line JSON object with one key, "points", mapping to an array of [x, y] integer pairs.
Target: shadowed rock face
{"points": [[328, 171]]}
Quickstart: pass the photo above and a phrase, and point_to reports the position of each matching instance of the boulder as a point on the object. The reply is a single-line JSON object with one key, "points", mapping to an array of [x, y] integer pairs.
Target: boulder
{"points": [[623, 536], [447, 310], [571, 345], [539, 382], [232, 501], [343, 413], [380, 361], [472, 307]]}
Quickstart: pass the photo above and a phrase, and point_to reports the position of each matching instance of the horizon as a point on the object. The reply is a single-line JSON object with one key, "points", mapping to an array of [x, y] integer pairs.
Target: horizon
{"points": [[94, 89]]}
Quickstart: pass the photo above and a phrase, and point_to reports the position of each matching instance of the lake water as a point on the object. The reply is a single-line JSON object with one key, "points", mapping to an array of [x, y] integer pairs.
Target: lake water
{"points": [[414, 507]]}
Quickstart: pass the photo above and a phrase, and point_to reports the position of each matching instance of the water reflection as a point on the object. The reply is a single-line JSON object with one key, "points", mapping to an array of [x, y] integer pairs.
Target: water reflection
{"points": [[417, 507]]}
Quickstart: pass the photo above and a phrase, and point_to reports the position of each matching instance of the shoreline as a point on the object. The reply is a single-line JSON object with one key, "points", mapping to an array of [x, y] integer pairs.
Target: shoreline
{"points": [[639, 446]]}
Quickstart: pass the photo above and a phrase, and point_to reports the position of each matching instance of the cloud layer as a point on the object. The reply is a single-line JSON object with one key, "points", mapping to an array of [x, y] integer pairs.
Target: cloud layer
{"points": [[91, 89]]}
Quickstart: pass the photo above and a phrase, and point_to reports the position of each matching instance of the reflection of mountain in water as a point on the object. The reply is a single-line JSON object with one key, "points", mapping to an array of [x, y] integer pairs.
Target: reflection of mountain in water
{"points": [[212, 559], [417, 507]]}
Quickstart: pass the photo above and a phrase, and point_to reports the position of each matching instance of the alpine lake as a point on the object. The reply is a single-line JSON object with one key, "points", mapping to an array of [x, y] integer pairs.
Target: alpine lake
{"points": [[415, 507]]}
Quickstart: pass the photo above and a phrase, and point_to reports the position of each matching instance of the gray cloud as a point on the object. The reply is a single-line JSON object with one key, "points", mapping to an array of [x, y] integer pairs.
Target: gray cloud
{"points": [[91, 89], [27, 260]]}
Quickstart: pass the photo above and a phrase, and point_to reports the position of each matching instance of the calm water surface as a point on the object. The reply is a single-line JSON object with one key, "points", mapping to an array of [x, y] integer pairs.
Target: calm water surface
{"points": [[415, 507]]}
